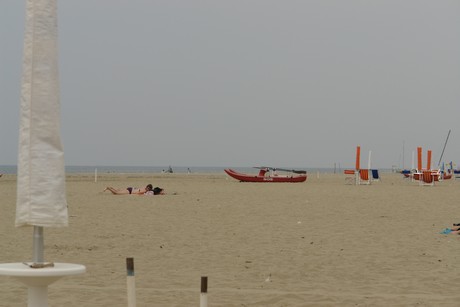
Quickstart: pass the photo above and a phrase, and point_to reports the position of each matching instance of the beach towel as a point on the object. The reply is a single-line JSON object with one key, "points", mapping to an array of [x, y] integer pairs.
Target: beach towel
{"points": [[446, 231]]}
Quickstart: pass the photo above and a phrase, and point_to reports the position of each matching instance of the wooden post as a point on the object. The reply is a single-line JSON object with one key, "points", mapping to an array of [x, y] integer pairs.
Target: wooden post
{"points": [[204, 292], [131, 282]]}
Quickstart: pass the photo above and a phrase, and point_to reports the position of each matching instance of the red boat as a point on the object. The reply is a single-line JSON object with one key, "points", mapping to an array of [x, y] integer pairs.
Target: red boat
{"points": [[438, 176], [267, 174]]}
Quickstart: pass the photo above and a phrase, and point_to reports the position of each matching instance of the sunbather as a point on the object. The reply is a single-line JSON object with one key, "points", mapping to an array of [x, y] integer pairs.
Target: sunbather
{"points": [[155, 191], [455, 229], [130, 190]]}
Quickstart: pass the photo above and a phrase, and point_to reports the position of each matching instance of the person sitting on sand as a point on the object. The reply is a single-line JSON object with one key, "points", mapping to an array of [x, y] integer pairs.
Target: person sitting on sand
{"points": [[130, 190]]}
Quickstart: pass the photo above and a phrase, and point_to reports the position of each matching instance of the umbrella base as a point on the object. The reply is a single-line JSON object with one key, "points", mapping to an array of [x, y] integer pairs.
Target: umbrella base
{"points": [[38, 280]]}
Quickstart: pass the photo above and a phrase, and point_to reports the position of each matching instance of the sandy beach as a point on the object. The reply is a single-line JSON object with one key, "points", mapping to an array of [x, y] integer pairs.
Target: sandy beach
{"points": [[318, 243]]}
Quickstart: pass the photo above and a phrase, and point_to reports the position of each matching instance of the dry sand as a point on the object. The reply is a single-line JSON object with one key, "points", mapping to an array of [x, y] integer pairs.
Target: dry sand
{"points": [[318, 243]]}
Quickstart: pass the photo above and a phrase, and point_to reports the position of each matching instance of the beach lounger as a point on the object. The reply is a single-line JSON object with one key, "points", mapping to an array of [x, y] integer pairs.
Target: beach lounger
{"points": [[427, 178], [364, 177], [350, 176], [375, 175]]}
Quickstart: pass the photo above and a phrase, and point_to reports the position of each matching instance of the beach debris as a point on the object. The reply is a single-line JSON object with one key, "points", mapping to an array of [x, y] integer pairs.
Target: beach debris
{"points": [[39, 265], [269, 278]]}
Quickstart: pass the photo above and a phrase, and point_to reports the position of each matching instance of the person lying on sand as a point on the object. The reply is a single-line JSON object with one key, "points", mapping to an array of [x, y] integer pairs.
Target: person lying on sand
{"points": [[130, 190], [453, 230], [148, 190], [155, 191]]}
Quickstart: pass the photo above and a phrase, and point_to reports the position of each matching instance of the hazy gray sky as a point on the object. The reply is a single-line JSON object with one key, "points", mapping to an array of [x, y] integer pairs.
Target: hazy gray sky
{"points": [[246, 82]]}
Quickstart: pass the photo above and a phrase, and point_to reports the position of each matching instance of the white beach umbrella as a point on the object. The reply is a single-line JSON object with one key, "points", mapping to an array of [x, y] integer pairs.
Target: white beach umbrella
{"points": [[41, 199], [41, 195]]}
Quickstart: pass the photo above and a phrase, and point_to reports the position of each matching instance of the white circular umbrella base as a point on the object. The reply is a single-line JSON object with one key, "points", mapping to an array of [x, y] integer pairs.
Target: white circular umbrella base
{"points": [[37, 280]]}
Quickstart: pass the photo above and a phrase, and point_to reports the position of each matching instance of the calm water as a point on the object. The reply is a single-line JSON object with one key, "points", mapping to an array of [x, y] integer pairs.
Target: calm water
{"points": [[11, 169]]}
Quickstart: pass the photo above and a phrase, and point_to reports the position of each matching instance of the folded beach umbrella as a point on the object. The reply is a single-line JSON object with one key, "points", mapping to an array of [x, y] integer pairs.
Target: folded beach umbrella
{"points": [[41, 199], [41, 196]]}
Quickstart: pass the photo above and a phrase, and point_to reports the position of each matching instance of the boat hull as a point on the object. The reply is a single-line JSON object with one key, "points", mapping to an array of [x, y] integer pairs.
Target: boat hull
{"points": [[437, 176], [256, 178]]}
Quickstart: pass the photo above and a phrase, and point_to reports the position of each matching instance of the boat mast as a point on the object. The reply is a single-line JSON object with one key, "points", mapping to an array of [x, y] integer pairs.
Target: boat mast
{"points": [[444, 148], [403, 156]]}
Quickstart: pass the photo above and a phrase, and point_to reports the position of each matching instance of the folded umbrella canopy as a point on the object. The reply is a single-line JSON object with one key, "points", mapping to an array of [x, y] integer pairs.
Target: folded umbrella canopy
{"points": [[41, 196]]}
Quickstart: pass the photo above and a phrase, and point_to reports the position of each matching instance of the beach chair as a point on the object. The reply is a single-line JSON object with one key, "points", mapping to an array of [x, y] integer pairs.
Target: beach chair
{"points": [[375, 175], [427, 178], [415, 175], [364, 177], [350, 176]]}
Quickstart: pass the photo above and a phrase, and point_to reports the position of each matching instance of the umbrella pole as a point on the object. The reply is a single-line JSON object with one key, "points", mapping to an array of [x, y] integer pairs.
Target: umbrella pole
{"points": [[39, 246], [39, 139], [38, 294]]}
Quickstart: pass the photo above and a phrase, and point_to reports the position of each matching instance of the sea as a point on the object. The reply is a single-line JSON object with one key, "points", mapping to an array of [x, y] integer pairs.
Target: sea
{"points": [[12, 169]]}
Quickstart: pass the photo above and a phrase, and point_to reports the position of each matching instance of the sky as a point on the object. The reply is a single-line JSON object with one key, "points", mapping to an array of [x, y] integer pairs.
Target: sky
{"points": [[292, 83]]}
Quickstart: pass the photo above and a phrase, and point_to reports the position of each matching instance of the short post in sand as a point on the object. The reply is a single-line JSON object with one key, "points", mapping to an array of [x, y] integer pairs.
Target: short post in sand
{"points": [[204, 292], [131, 283]]}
